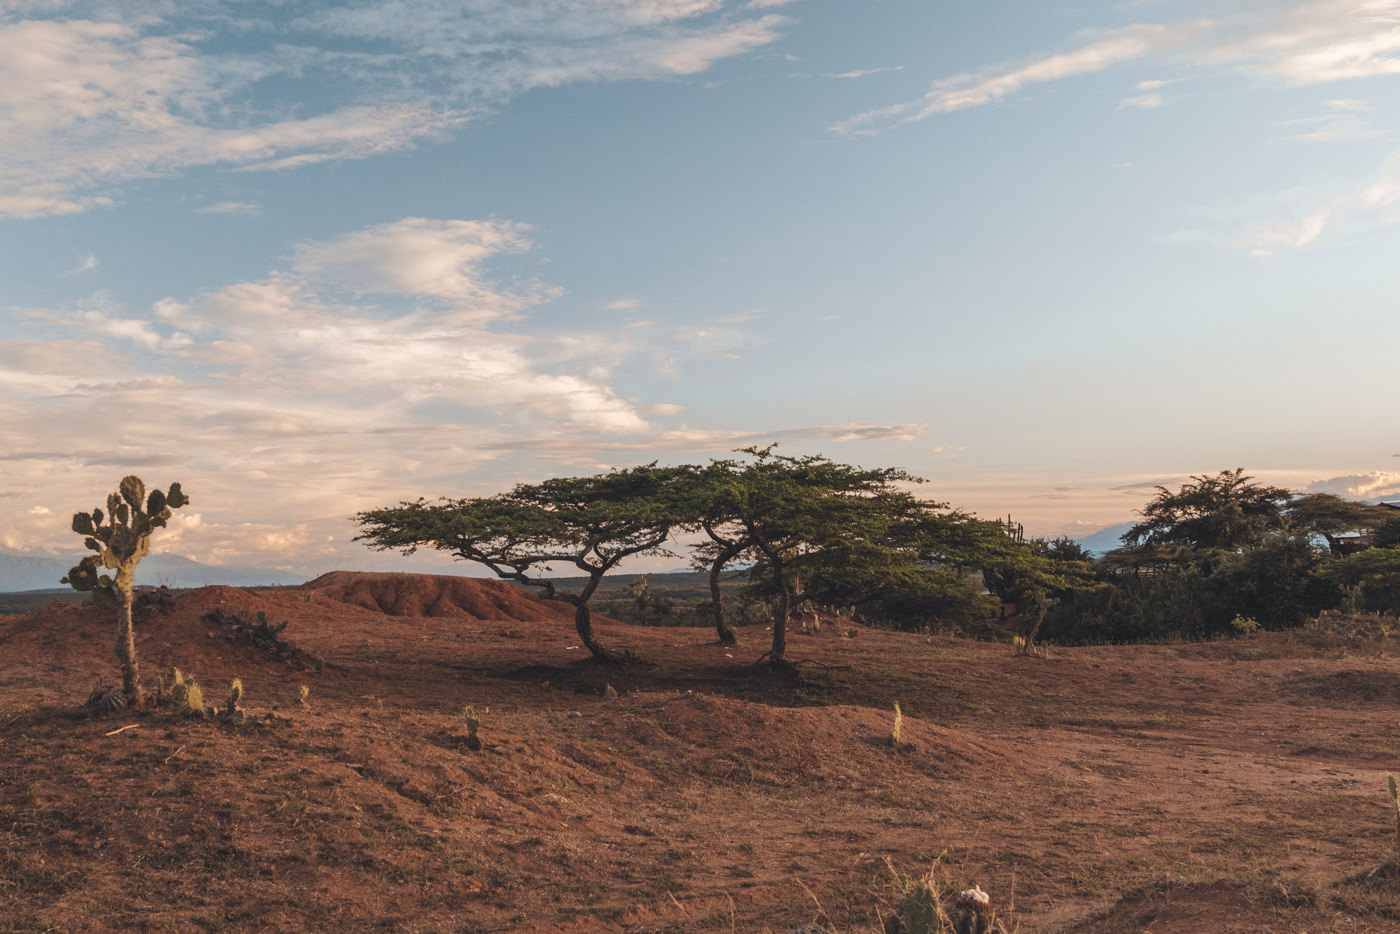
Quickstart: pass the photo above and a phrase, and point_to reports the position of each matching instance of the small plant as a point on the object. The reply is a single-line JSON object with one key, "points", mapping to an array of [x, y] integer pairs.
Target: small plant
{"points": [[104, 699], [234, 712], [922, 911], [1243, 625], [473, 724], [186, 696], [897, 731], [303, 693], [609, 692], [265, 635]]}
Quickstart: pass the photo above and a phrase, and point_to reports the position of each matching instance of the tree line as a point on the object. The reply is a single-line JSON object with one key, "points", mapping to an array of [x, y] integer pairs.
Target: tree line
{"points": [[1224, 555], [806, 528]]}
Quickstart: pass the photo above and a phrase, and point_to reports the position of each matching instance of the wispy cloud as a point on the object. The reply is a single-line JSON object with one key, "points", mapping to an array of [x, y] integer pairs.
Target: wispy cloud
{"points": [[232, 207], [86, 265], [109, 94], [865, 73], [1343, 123], [1305, 43], [977, 89], [1376, 203]]}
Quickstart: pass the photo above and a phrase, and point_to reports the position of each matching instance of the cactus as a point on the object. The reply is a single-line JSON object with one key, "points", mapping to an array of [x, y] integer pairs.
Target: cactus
{"points": [[473, 724], [303, 693], [186, 695], [120, 538], [920, 911], [897, 731]]}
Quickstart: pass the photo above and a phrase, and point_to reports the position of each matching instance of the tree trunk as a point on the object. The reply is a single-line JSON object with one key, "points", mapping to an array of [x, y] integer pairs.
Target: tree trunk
{"points": [[583, 619], [722, 627], [780, 621], [775, 657], [126, 642]]}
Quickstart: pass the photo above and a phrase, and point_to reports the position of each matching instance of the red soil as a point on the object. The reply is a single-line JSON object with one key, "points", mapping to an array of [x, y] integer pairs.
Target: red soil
{"points": [[1236, 786]]}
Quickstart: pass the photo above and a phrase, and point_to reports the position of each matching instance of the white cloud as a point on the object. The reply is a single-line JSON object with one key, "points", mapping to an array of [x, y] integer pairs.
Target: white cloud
{"points": [[1377, 484], [864, 73], [434, 258], [1319, 41], [1143, 101], [232, 207], [115, 93], [1342, 123], [975, 90], [85, 265], [1371, 205], [1311, 42]]}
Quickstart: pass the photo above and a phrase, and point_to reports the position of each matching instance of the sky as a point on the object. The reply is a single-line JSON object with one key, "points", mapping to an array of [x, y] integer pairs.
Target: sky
{"points": [[312, 258]]}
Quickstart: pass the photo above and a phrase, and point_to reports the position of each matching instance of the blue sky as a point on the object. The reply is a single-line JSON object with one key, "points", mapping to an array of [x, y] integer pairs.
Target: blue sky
{"points": [[312, 258]]}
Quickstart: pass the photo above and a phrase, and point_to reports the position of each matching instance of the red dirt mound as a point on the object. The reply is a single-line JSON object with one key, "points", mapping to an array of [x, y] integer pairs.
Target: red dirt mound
{"points": [[438, 595]]}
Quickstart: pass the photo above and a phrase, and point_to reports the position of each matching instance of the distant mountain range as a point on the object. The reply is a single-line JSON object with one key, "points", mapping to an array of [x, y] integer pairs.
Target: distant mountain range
{"points": [[1105, 540], [37, 572]]}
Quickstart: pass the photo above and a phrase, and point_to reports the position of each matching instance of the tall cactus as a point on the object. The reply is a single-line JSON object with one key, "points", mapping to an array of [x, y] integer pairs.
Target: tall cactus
{"points": [[121, 538]]}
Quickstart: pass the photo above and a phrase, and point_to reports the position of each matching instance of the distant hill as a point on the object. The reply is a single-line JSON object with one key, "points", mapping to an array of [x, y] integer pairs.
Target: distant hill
{"points": [[38, 572], [1105, 540]]}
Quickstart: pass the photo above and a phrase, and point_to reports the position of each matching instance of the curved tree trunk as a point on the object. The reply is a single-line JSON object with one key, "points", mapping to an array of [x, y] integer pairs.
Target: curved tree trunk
{"points": [[583, 618], [722, 627]]}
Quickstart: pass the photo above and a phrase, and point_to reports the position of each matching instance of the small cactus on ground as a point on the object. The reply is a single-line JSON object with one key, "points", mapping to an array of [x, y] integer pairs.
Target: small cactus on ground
{"points": [[920, 911], [897, 731], [104, 699], [186, 696], [473, 724], [234, 712], [303, 693]]}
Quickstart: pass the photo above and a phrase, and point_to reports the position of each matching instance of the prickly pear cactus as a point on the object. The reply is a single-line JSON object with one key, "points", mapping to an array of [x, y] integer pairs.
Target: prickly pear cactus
{"points": [[919, 910], [120, 538]]}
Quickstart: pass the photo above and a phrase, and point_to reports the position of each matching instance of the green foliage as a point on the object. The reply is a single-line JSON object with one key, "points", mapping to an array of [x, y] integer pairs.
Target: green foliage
{"points": [[1371, 578], [921, 911], [592, 523], [1225, 511]]}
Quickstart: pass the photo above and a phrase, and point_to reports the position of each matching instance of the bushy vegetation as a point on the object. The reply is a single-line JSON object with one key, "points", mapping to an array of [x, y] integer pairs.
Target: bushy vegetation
{"points": [[1223, 555]]}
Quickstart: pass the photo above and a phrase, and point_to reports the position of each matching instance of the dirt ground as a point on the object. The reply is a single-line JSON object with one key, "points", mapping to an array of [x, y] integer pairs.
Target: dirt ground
{"points": [[1234, 786]]}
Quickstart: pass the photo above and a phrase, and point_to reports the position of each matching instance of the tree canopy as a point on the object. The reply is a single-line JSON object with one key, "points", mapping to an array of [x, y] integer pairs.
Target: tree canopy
{"points": [[592, 523]]}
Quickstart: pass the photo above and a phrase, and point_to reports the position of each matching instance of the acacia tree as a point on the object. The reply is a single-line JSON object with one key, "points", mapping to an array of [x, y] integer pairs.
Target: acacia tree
{"points": [[704, 497], [792, 511], [1035, 575], [1227, 511], [121, 537], [592, 523]]}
